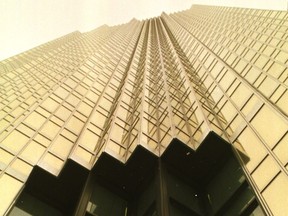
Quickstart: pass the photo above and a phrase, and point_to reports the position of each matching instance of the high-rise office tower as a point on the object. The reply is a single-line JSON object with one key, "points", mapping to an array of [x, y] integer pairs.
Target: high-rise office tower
{"points": [[183, 114]]}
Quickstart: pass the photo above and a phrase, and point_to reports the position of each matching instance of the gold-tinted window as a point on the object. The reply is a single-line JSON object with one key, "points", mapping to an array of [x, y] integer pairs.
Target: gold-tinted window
{"points": [[52, 163], [61, 92], [33, 152], [50, 130], [89, 140], [35, 120], [50, 105], [75, 125], [61, 147], [63, 113], [252, 74], [269, 125], [82, 154], [276, 195], [254, 148], [268, 86], [240, 95], [15, 141], [9, 187], [5, 157], [265, 172], [22, 167], [283, 102], [281, 150]]}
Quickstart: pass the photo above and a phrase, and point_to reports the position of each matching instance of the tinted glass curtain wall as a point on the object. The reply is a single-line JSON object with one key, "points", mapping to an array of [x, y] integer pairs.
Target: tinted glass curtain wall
{"points": [[182, 114]]}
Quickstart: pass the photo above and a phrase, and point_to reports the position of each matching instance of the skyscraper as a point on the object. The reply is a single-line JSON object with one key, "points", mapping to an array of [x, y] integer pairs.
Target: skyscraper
{"points": [[182, 114]]}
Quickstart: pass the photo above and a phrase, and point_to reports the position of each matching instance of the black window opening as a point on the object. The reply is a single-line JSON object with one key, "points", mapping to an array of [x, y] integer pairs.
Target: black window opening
{"points": [[208, 182]]}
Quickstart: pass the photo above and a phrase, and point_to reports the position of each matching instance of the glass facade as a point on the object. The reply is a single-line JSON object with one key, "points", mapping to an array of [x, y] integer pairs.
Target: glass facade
{"points": [[108, 92]]}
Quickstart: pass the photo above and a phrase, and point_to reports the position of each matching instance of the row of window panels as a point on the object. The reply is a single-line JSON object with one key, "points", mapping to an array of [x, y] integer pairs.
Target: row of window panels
{"points": [[177, 120], [149, 141], [251, 53], [258, 60], [131, 129], [93, 41], [249, 15], [122, 113], [188, 117], [272, 18], [178, 75], [25, 77], [21, 168], [104, 54], [269, 126], [250, 42], [280, 57], [118, 149], [114, 143], [121, 108], [237, 32], [121, 34], [282, 124], [227, 81], [19, 142], [179, 95], [49, 105], [108, 106], [32, 152], [276, 66], [265, 170], [246, 11], [27, 90], [50, 130], [248, 24], [51, 127], [242, 93], [274, 89], [103, 57], [272, 136], [15, 114], [16, 62], [101, 79], [276, 93], [126, 48], [182, 103], [18, 168], [9, 189], [263, 34]]}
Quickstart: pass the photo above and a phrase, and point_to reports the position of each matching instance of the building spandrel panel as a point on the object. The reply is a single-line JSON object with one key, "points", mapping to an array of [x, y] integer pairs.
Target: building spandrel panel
{"points": [[203, 92]]}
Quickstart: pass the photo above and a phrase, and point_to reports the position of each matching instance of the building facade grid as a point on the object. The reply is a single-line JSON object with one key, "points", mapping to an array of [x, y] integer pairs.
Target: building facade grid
{"points": [[146, 83]]}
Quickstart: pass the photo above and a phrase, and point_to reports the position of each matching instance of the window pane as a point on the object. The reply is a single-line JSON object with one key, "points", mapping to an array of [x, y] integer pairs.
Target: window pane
{"points": [[269, 125]]}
